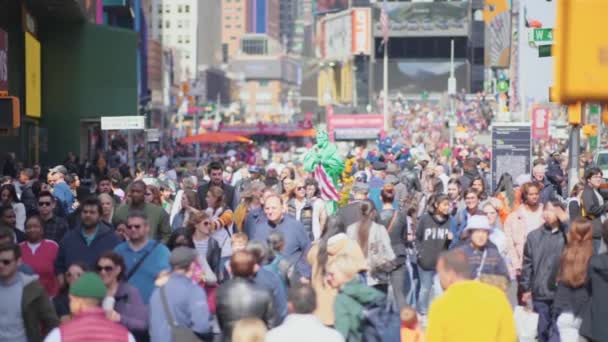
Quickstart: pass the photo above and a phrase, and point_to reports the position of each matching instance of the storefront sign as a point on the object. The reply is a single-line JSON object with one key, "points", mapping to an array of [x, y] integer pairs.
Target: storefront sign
{"points": [[361, 31], [32, 76], [110, 123], [3, 61]]}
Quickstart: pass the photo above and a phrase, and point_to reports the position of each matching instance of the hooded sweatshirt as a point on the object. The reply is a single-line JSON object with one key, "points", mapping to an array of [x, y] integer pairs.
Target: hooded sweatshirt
{"points": [[338, 244], [432, 238]]}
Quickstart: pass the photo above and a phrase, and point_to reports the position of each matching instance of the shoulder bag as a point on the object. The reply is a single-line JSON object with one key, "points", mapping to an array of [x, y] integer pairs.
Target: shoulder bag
{"points": [[141, 261]]}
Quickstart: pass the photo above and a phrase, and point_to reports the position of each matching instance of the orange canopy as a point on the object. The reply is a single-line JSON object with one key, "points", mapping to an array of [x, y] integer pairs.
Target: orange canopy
{"points": [[305, 133], [215, 138]]}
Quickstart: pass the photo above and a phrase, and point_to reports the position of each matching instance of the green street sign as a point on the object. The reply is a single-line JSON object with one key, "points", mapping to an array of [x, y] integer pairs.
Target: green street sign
{"points": [[542, 35], [502, 86], [594, 109], [545, 50]]}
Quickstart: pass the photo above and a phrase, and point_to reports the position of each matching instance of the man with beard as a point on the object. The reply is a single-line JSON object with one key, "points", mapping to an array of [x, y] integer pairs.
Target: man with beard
{"points": [[216, 175]]}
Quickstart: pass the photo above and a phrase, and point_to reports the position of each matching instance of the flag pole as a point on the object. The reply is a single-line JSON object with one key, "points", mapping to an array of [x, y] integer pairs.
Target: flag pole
{"points": [[385, 87]]}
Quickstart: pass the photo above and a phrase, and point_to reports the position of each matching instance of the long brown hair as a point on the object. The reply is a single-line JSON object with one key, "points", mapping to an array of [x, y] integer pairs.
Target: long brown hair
{"points": [[576, 255], [363, 226], [218, 194]]}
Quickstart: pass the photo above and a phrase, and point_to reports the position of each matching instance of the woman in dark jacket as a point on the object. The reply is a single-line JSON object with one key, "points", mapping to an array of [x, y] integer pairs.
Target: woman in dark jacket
{"points": [[594, 325], [433, 237], [572, 294], [593, 205], [396, 224]]}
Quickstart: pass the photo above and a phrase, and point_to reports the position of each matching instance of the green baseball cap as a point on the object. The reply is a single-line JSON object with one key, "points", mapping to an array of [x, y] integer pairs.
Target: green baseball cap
{"points": [[89, 285]]}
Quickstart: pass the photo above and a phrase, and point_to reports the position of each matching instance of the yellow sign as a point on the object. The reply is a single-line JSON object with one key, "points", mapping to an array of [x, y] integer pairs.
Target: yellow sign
{"points": [[32, 77], [581, 51]]}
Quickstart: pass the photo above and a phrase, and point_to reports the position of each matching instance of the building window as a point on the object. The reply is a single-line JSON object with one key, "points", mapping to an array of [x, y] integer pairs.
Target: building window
{"points": [[187, 56], [239, 26], [187, 39], [179, 8], [228, 26], [167, 24], [187, 8], [233, 38], [160, 24], [160, 9], [179, 39], [263, 83], [228, 17], [167, 8]]}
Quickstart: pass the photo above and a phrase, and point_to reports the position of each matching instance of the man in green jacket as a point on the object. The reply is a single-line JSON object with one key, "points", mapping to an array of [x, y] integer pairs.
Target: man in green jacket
{"points": [[157, 217], [26, 310], [352, 297]]}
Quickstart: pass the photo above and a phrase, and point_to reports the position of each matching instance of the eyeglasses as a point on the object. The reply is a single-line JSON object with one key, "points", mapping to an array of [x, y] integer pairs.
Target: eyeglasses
{"points": [[6, 262], [106, 269], [44, 204], [133, 226]]}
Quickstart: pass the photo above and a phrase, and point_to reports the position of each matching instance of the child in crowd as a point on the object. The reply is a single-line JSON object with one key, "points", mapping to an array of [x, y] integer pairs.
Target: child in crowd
{"points": [[239, 243], [410, 329]]}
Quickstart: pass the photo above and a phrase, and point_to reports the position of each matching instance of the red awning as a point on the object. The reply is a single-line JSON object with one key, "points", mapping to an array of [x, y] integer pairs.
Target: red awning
{"points": [[215, 138]]}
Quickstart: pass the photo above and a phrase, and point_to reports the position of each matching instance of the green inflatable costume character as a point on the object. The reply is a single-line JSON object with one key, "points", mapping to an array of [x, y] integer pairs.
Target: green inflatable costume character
{"points": [[326, 165]]}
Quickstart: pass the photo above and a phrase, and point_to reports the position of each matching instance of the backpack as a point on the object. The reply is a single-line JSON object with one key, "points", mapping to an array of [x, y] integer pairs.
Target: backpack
{"points": [[380, 322]]}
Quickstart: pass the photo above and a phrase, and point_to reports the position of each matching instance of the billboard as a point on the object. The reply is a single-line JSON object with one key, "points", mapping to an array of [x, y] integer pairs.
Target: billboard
{"points": [[338, 36], [324, 6], [425, 19], [409, 76], [268, 69], [361, 28], [355, 126], [511, 150], [3, 61], [497, 18], [32, 76]]}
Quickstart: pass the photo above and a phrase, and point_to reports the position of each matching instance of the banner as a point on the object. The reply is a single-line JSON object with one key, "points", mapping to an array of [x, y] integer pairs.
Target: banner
{"points": [[425, 19], [3, 61], [32, 76], [511, 150], [540, 123], [497, 17], [324, 6], [361, 31]]}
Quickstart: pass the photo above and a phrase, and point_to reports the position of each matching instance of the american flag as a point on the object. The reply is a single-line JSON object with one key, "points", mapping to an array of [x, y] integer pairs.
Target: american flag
{"points": [[326, 186], [384, 22]]}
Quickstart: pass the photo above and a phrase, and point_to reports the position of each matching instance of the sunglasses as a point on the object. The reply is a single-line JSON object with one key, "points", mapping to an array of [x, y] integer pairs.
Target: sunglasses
{"points": [[106, 269], [133, 226], [44, 204], [6, 262]]}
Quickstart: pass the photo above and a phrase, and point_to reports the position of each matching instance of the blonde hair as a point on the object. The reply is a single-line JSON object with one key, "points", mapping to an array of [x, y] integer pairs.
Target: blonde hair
{"points": [[239, 238], [343, 264], [249, 330]]}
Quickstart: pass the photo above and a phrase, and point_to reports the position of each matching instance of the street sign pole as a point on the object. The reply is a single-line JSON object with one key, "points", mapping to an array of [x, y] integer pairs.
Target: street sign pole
{"points": [[197, 146]]}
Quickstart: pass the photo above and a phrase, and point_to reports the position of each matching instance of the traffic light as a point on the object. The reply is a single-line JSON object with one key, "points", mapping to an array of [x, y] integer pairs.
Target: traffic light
{"points": [[590, 130], [575, 113], [581, 51], [10, 114]]}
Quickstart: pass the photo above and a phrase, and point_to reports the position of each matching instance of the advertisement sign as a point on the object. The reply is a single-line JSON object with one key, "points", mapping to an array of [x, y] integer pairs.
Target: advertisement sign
{"points": [[32, 76], [425, 19], [511, 150], [338, 36], [497, 17], [324, 6], [354, 126], [110, 123], [540, 123], [410, 76], [3, 61], [361, 31]]}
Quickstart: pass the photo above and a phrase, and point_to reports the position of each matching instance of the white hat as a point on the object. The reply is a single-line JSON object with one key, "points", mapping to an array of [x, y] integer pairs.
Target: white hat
{"points": [[478, 222]]}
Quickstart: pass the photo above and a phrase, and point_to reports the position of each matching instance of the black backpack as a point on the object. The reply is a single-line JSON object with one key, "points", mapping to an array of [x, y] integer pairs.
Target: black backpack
{"points": [[380, 322]]}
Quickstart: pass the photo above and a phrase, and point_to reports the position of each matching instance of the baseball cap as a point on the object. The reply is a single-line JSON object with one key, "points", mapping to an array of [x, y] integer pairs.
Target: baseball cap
{"points": [[478, 222], [182, 257], [89, 285]]}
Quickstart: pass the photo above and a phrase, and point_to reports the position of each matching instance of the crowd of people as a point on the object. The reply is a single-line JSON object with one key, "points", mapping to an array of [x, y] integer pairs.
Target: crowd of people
{"points": [[248, 249]]}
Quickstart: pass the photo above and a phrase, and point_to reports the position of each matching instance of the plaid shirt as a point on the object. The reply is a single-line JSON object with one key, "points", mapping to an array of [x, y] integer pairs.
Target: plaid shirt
{"points": [[55, 228]]}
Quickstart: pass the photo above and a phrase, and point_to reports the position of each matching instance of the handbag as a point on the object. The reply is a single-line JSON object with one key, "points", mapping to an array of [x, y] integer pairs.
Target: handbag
{"points": [[178, 333], [526, 324]]}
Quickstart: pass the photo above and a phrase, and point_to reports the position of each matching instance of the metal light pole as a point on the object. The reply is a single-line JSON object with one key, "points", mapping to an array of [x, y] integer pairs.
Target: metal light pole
{"points": [[451, 93], [385, 88]]}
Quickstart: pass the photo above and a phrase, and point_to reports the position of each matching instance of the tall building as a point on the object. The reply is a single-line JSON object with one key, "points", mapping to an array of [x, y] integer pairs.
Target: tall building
{"points": [[264, 17], [234, 21], [175, 25], [287, 17], [209, 36]]}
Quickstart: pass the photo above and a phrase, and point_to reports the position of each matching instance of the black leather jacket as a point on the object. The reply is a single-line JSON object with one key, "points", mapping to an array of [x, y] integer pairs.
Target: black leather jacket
{"points": [[240, 298]]}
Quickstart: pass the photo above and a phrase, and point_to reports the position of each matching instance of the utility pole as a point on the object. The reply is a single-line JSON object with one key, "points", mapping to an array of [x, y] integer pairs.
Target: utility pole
{"points": [[451, 93], [385, 89], [575, 118]]}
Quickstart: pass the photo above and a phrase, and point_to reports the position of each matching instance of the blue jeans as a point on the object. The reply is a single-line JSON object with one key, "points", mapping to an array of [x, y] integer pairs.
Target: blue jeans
{"points": [[426, 285], [544, 309]]}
